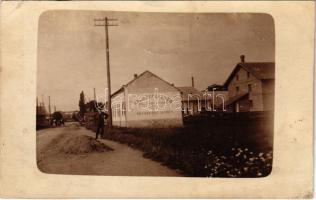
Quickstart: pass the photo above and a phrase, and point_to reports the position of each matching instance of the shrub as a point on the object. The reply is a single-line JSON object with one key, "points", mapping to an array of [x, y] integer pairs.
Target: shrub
{"points": [[195, 152]]}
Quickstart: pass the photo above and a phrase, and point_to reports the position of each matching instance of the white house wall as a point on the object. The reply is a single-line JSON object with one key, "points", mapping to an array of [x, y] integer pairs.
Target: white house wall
{"points": [[152, 103], [118, 110]]}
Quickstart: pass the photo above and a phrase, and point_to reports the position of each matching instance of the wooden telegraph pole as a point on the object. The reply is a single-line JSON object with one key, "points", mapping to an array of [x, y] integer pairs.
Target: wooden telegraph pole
{"points": [[49, 110], [105, 22], [94, 96]]}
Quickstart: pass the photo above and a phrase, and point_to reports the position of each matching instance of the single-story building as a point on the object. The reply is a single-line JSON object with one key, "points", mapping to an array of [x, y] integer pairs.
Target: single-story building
{"points": [[218, 95], [192, 100], [195, 101], [147, 101]]}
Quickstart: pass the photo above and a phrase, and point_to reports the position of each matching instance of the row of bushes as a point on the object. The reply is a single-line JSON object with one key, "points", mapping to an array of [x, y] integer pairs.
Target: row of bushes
{"points": [[195, 153]]}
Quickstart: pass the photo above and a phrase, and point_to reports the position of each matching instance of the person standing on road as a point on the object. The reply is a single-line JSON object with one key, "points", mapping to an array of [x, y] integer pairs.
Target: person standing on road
{"points": [[100, 129]]}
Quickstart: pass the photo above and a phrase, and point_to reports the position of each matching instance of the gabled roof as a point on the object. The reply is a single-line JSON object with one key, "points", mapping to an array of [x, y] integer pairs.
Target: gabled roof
{"points": [[217, 87], [185, 91], [142, 74], [260, 70], [236, 98]]}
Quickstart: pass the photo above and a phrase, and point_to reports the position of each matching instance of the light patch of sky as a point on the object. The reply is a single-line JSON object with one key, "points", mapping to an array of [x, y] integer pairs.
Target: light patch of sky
{"points": [[174, 46]]}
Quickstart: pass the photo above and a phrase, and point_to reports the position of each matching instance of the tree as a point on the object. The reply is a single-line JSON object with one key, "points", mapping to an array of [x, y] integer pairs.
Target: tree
{"points": [[91, 106], [57, 116], [82, 105]]}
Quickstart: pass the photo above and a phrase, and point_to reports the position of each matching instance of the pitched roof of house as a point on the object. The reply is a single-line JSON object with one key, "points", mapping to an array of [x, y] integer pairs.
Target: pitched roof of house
{"points": [[235, 98], [260, 70], [217, 87], [185, 91], [145, 72]]}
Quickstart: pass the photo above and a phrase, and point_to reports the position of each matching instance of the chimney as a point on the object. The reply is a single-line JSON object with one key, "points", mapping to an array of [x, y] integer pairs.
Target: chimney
{"points": [[242, 58], [192, 78], [135, 76]]}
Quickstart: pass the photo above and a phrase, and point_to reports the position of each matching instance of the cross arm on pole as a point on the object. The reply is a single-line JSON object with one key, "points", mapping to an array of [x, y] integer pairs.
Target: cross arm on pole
{"points": [[108, 19], [99, 20], [104, 24]]}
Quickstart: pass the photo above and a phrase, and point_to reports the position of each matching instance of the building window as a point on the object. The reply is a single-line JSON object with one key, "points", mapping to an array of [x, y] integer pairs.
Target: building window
{"points": [[249, 88], [237, 106], [250, 103], [124, 109], [248, 75], [237, 77], [237, 89]]}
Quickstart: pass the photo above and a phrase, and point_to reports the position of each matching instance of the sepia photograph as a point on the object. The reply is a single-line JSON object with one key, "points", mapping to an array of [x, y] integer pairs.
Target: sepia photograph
{"points": [[155, 94]]}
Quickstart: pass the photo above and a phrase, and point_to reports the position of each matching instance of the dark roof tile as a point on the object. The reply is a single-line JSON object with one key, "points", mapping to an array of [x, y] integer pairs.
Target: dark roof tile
{"points": [[185, 91], [261, 70]]}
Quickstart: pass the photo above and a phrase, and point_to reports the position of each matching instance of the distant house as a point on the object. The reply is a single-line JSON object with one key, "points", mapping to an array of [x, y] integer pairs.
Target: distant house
{"points": [[69, 115], [251, 87], [147, 101], [216, 87], [192, 100], [218, 94], [42, 119], [195, 101]]}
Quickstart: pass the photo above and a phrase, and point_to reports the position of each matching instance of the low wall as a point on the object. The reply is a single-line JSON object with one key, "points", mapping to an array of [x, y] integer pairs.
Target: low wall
{"points": [[155, 123], [252, 129]]}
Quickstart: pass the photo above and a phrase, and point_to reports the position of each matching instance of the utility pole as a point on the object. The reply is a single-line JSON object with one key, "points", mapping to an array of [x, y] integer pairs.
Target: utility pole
{"points": [[43, 100], [105, 22], [94, 97], [49, 110], [192, 79], [54, 108]]}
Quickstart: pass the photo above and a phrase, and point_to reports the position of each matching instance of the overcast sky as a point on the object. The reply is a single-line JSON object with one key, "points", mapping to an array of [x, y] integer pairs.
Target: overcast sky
{"points": [[71, 50]]}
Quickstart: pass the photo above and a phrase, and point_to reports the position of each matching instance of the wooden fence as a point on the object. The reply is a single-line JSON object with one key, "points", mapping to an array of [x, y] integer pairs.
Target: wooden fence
{"points": [[254, 129]]}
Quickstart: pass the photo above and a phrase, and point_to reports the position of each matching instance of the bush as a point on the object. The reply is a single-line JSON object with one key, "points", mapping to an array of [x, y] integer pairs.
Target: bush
{"points": [[196, 152], [240, 163]]}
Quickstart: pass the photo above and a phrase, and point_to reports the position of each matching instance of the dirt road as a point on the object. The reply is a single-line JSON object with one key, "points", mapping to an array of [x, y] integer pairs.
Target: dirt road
{"points": [[123, 161]]}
